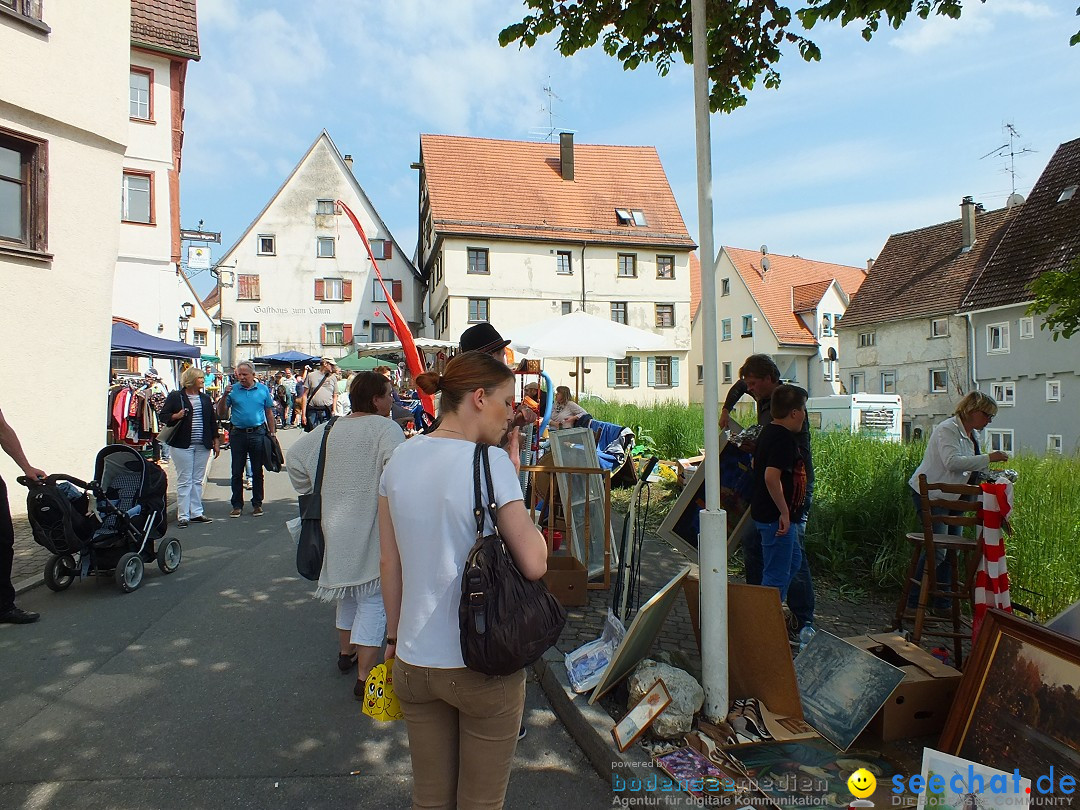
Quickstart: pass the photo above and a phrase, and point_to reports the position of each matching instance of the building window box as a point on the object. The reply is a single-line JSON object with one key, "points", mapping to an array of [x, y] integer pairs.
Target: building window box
{"points": [[377, 293], [618, 312], [24, 194], [1027, 328], [700, 375], [624, 373], [26, 12], [727, 372], [997, 338], [478, 310], [381, 333], [665, 316], [826, 326], [747, 326], [663, 371], [939, 327], [249, 333], [247, 287], [725, 286], [725, 329], [266, 245], [324, 247], [627, 265], [888, 382], [567, 307], [858, 383], [1000, 440], [382, 249], [665, 267], [325, 207], [564, 263], [1004, 393], [140, 93], [1054, 443], [138, 197], [939, 381], [337, 334], [198, 337], [1053, 390], [478, 262], [867, 339]]}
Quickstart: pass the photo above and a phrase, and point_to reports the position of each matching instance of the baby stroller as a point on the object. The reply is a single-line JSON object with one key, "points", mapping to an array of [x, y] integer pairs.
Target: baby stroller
{"points": [[116, 537]]}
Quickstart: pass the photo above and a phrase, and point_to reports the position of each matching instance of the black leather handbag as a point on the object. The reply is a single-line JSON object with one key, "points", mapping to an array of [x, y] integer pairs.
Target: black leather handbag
{"points": [[507, 621], [311, 546]]}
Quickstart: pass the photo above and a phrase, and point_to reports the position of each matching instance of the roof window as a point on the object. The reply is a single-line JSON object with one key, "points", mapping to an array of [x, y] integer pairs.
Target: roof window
{"points": [[631, 216], [1067, 193]]}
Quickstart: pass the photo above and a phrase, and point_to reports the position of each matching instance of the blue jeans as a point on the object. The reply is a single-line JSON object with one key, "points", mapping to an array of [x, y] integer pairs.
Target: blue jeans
{"points": [[315, 417], [244, 444], [942, 568], [781, 556], [800, 597]]}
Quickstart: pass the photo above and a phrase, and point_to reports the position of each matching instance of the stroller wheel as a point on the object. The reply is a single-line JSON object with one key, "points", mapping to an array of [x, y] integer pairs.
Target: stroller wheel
{"points": [[168, 555], [60, 572], [129, 572]]}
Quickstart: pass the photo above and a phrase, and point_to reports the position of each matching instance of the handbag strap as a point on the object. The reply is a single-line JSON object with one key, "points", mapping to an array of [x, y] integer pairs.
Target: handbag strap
{"points": [[481, 458], [317, 491]]}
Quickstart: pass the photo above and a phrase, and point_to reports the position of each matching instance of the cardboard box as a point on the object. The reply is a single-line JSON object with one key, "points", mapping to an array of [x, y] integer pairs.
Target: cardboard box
{"points": [[567, 578], [921, 702], [686, 468]]}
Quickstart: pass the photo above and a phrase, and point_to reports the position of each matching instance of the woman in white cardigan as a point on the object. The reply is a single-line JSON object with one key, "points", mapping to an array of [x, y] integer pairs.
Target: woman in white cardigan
{"points": [[358, 448]]}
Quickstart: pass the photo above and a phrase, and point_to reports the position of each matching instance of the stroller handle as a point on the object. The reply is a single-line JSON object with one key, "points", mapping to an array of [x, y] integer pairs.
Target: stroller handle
{"points": [[51, 479]]}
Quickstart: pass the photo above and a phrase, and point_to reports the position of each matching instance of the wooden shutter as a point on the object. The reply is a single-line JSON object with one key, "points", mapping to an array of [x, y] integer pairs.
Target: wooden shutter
{"points": [[320, 294], [610, 373], [635, 372], [322, 328], [395, 288], [674, 371], [254, 289], [346, 334], [388, 251], [651, 373], [346, 290]]}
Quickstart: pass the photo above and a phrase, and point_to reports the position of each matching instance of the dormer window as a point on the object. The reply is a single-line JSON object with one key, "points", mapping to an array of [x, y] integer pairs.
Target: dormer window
{"points": [[624, 216], [631, 216], [1067, 193]]}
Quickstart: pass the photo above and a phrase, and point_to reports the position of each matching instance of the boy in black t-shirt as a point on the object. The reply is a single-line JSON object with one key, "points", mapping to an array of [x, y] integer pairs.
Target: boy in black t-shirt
{"points": [[780, 488]]}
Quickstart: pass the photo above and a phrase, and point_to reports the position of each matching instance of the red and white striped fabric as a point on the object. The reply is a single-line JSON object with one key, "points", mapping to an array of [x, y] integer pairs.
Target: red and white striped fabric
{"points": [[992, 575]]}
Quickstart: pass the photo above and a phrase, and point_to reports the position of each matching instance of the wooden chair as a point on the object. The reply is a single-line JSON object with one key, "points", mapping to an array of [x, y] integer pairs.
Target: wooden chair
{"points": [[961, 511]]}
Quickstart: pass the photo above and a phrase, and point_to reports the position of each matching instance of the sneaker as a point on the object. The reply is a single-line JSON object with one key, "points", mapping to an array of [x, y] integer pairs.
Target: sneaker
{"points": [[181, 524], [16, 615], [522, 732], [236, 513], [257, 511], [202, 519]]}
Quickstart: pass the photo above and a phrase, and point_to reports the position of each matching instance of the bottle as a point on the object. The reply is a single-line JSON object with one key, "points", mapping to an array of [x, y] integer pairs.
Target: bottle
{"points": [[805, 635]]}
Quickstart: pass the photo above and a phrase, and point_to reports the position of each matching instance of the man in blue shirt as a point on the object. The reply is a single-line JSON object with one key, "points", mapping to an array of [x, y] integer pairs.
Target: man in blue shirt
{"points": [[252, 416]]}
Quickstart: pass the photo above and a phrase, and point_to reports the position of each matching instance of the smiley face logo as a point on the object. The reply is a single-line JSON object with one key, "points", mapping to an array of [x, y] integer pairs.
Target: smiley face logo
{"points": [[862, 783]]}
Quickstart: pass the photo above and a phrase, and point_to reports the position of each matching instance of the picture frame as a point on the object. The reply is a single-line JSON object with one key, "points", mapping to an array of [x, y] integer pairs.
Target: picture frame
{"points": [[1018, 704], [960, 788], [637, 721]]}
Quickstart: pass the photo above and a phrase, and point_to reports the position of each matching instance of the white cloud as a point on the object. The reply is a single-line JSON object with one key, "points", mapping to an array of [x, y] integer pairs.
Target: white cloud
{"points": [[978, 19]]}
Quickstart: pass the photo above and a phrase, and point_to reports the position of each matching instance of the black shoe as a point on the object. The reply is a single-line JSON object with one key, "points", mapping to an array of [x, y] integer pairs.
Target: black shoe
{"points": [[181, 524], [522, 732], [346, 662], [202, 519], [16, 615]]}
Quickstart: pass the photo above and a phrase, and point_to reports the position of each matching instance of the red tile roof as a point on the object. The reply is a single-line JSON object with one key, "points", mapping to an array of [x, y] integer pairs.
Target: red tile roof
{"points": [[1044, 236], [807, 296], [695, 284], [212, 300], [166, 25], [775, 292], [514, 190], [924, 272]]}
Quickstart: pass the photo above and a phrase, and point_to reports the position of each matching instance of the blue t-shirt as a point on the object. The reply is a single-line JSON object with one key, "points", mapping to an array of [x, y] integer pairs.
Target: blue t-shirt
{"points": [[249, 404]]}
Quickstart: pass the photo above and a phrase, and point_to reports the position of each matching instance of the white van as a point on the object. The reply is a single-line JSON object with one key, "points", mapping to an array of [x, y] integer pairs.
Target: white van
{"points": [[877, 414]]}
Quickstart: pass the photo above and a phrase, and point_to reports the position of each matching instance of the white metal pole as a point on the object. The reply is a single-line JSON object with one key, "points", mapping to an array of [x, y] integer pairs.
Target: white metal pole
{"points": [[712, 543]]}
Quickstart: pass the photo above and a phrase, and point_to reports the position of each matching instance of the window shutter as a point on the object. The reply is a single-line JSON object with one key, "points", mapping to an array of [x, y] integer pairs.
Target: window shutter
{"points": [[346, 290], [674, 371], [651, 374], [395, 286], [611, 373], [320, 294], [346, 334], [388, 249], [322, 329], [254, 286], [635, 372]]}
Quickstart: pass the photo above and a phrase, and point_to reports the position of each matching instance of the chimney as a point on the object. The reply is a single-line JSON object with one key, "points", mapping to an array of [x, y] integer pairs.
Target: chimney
{"points": [[869, 265], [348, 162], [967, 223], [566, 155]]}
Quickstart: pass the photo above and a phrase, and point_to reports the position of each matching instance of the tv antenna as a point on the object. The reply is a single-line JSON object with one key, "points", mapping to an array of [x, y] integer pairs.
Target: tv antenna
{"points": [[1009, 150], [549, 108]]}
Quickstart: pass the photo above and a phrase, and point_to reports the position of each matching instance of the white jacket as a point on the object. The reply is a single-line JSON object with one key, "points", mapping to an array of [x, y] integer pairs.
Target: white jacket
{"points": [[950, 458]]}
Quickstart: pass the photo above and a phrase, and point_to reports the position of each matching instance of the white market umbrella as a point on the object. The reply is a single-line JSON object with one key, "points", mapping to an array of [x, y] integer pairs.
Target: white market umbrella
{"points": [[580, 334]]}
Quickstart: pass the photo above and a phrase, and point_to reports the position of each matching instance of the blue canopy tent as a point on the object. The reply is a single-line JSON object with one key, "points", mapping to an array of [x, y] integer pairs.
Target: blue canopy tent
{"points": [[130, 341], [289, 358]]}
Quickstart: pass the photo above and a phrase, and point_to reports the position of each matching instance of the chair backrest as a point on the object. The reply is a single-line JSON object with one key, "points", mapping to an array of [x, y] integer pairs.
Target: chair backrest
{"points": [[963, 510]]}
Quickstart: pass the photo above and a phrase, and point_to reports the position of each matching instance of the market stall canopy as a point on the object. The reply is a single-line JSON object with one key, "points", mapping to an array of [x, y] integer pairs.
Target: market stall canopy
{"points": [[130, 341], [580, 334], [353, 362], [392, 347], [289, 358]]}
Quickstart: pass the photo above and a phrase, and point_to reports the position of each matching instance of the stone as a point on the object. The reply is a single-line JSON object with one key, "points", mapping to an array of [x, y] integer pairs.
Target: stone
{"points": [[687, 697]]}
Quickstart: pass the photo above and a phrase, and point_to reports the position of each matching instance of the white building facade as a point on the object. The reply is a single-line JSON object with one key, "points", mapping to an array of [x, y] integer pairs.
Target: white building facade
{"points": [[300, 279]]}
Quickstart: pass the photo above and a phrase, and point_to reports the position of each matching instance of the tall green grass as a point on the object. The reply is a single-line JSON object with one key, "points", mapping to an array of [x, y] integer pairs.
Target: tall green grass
{"points": [[862, 508]]}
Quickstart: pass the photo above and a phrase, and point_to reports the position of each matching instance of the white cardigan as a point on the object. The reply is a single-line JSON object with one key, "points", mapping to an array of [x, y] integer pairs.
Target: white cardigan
{"points": [[950, 458]]}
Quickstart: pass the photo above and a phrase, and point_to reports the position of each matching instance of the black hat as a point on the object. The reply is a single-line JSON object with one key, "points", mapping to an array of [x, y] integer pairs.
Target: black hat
{"points": [[482, 338]]}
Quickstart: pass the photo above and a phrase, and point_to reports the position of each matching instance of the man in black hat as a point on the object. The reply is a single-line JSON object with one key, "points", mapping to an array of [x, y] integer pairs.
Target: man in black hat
{"points": [[483, 337]]}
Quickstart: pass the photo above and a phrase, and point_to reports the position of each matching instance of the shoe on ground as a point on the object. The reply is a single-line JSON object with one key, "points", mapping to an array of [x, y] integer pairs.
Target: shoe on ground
{"points": [[202, 519], [181, 524], [257, 511], [16, 615], [346, 662], [236, 513], [358, 690], [522, 732]]}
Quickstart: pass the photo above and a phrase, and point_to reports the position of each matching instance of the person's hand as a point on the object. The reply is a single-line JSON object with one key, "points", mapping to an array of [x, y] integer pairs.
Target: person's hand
{"points": [[217, 448], [303, 419], [228, 388], [998, 455], [176, 417], [34, 474], [725, 418], [513, 448], [391, 651], [785, 524]]}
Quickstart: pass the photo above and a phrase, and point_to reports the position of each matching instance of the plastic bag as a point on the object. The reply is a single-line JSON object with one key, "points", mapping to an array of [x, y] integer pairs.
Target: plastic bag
{"points": [[585, 665], [380, 701], [293, 526]]}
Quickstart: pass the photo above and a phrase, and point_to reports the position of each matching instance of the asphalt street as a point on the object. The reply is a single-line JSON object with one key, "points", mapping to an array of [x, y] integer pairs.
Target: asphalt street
{"points": [[216, 687]]}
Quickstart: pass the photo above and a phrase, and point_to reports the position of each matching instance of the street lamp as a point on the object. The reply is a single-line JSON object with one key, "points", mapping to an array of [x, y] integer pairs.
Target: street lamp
{"points": [[188, 309], [184, 321]]}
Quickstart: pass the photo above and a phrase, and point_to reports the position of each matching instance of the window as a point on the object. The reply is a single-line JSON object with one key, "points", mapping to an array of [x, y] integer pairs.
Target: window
{"points": [[826, 325], [324, 247], [888, 382], [382, 333], [267, 245], [1000, 440], [138, 198], [725, 286], [1027, 328], [247, 287], [323, 207], [1067, 193], [663, 371], [700, 374], [997, 338], [332, 289], [382, 249], [618, 311], [827, 369], [867, 339], [564, 263], [939, 380], [478, 261], [623, 216], [23, 191], [140, 93], [26, 11], [333, 334], [377, 294], [249, 332], [1054, 443], [939, 327], [727, 372], [478, 310], [858, 384], [1053, 390], [627, 265], [198, 337], [622, 373], [567, 307], [665, 267], [1004, 393], [725, 329], [747, 325], [639, 217], [665, 315]]}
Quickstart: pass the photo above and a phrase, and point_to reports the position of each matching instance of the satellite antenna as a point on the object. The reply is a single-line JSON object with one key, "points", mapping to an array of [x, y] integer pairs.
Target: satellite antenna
{"points": [[765, 265], [764, 250], [1009, 150]]}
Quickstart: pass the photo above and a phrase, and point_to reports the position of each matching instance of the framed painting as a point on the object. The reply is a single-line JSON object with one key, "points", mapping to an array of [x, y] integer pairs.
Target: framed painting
{"points": [[639, 718], [1018, 705]]}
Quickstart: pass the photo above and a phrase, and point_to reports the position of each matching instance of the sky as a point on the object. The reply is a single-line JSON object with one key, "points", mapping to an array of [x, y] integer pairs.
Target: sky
{"points": [[879, 137]]}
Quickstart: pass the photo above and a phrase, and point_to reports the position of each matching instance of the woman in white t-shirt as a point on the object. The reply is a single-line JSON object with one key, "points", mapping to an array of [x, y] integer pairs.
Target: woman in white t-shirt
{"points": [[463, 725]]}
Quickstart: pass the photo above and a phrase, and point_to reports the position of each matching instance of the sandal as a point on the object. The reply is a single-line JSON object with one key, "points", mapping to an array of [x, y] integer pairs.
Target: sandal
{"points": [[346, 662]]}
